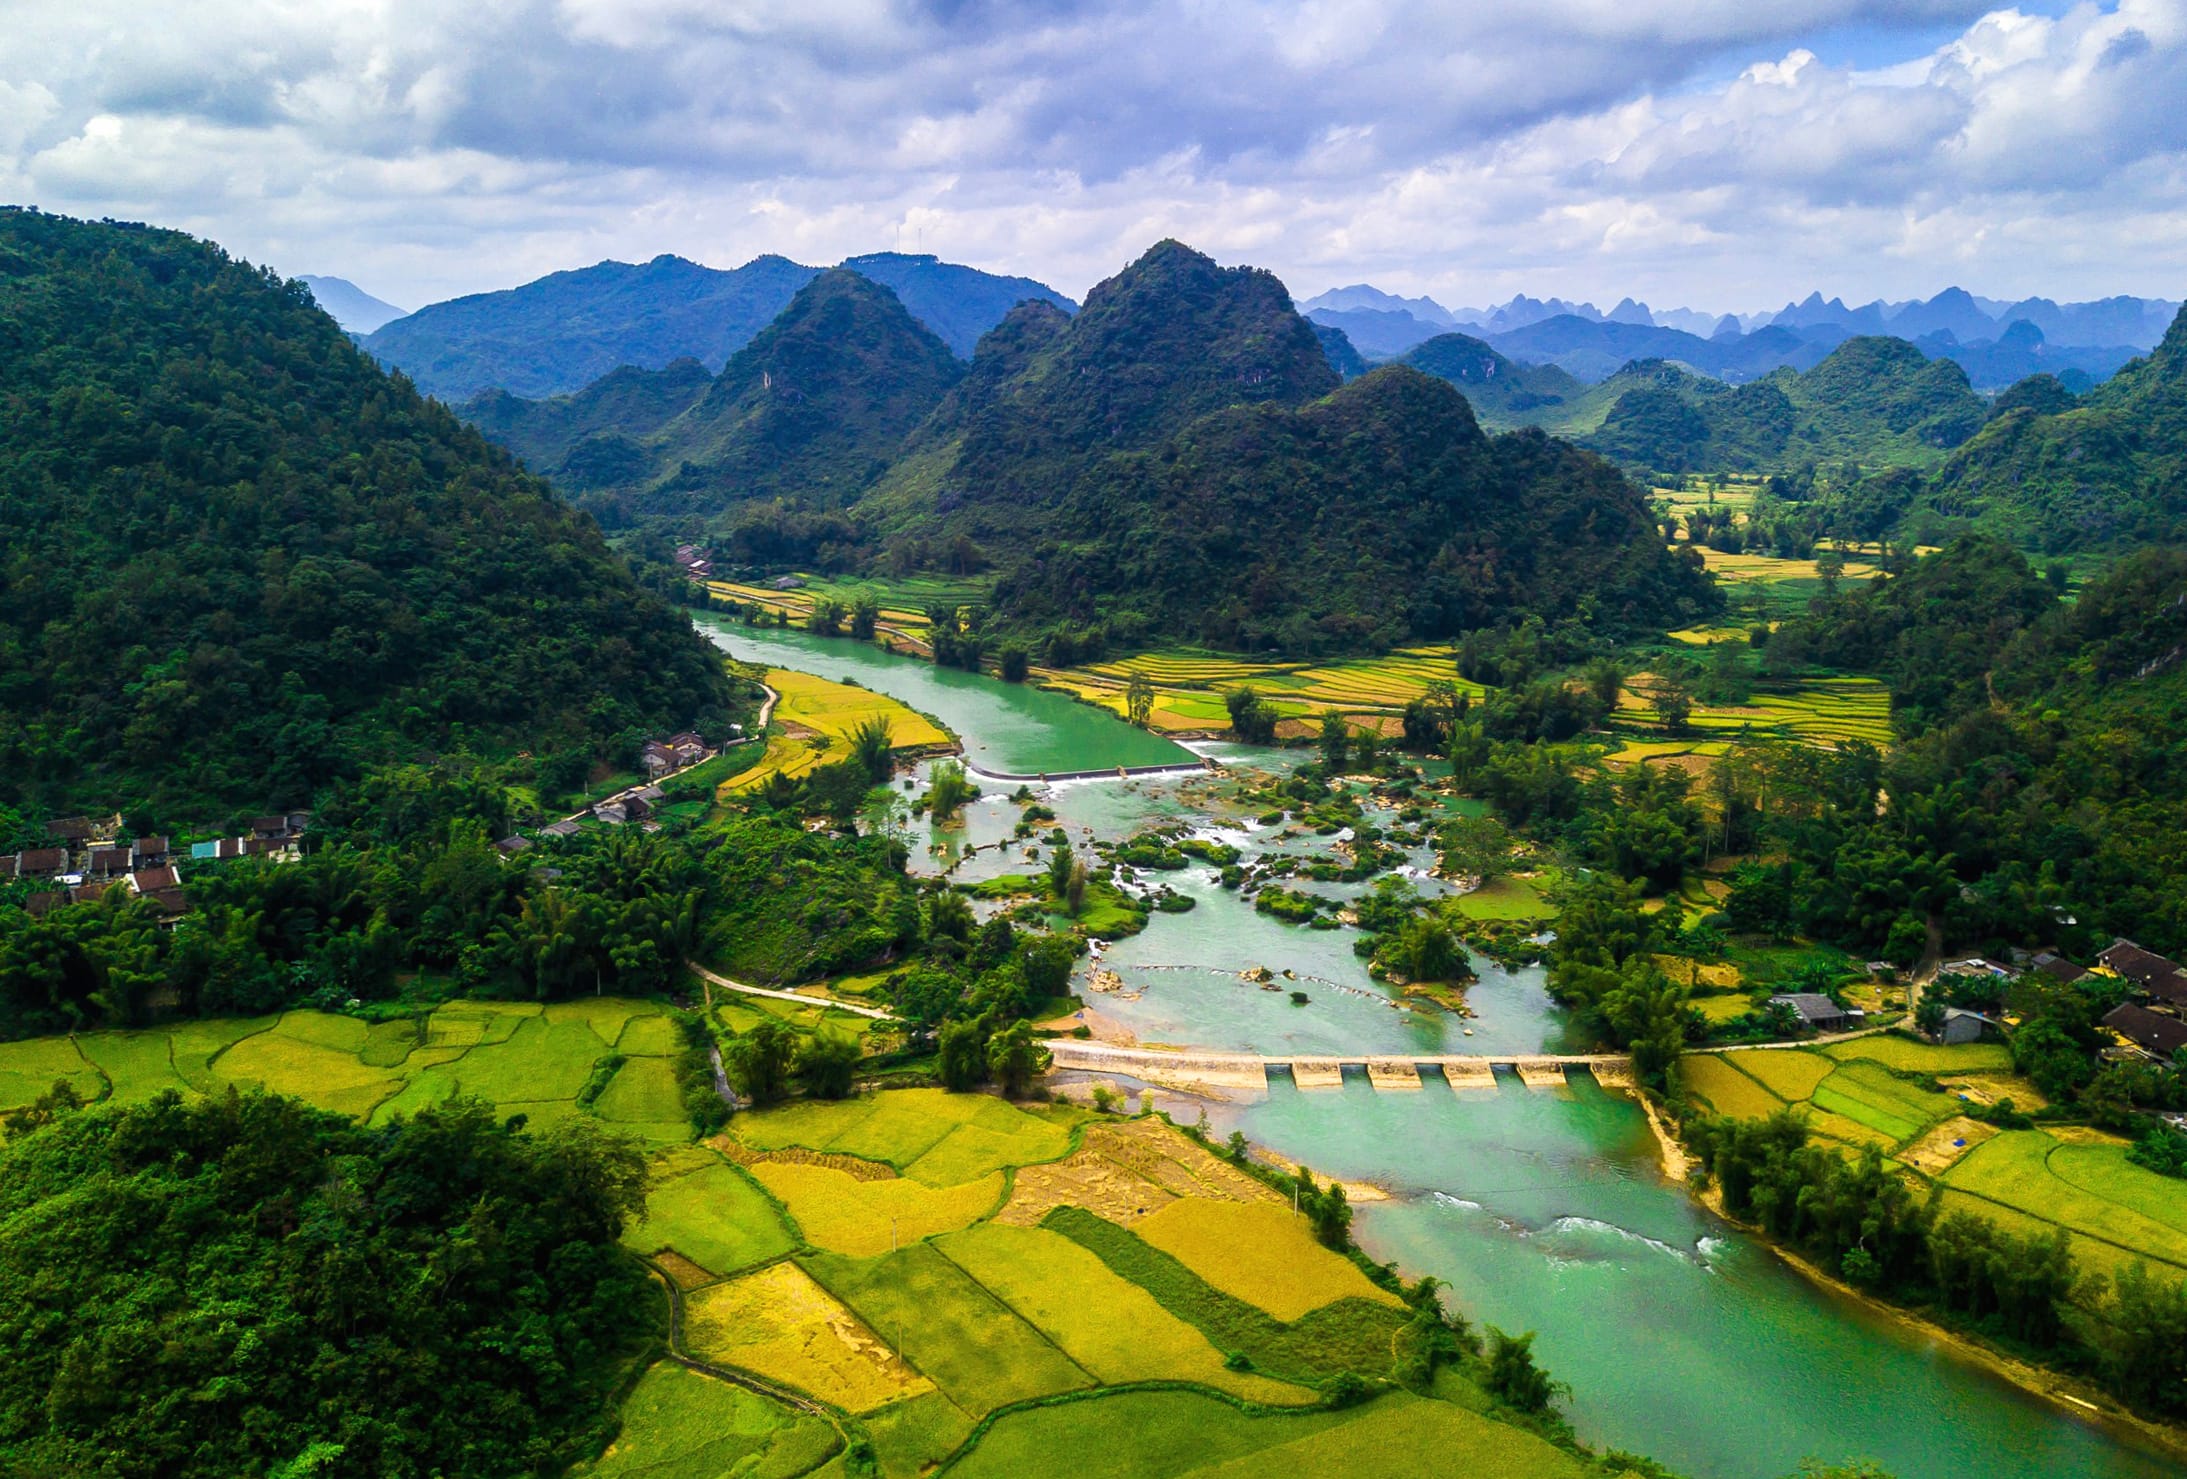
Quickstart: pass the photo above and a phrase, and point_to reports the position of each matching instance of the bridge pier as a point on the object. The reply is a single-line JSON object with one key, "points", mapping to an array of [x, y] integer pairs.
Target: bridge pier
{"points": [[1537, 1075], [1394, 1074], [1317, 1073]]}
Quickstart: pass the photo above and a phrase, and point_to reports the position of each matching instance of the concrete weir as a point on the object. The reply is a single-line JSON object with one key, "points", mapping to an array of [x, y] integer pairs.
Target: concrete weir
{"points": [[1186, 1068]]}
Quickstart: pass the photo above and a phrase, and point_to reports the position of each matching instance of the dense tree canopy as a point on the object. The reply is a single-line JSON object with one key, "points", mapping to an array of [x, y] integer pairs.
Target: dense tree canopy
{"points": [[241, 561], [227, 1286]]}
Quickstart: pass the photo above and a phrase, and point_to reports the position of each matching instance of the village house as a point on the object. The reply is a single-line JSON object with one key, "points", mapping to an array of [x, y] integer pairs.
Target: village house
{"points": [[2151, 1033], [107, 862], [40, 862], [1962, 1026], [2057, 968], [1817, 1011], [2157, 977], [148, 852]]}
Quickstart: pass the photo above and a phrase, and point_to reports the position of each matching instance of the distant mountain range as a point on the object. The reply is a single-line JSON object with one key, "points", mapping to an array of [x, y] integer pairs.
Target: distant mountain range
{"points": [[1996, 343], [559, 334], [351, 306]]}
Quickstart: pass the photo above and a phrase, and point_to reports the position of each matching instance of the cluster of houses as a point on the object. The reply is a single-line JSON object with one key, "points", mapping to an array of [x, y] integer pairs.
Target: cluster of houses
{"points": [[2156, 1026], [89, 857], [659, 759], [693, 562]]}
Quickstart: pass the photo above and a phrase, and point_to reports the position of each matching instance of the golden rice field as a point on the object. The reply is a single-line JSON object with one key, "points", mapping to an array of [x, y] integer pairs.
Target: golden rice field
{"points": [[1189, 687], [779, 1323], [1865, 1092], [1259, 1252], [1816, 711], [817, 718]]}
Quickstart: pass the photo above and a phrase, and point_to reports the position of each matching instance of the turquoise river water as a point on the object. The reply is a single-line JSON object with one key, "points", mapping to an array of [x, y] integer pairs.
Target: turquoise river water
{"points": [[1545, 1210]]}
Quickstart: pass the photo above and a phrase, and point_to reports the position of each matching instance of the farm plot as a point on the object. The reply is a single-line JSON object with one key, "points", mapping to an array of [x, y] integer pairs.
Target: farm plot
{"points": [[1819, 711], [1105, 1324], [706, 1210], [1868, 1095], [966, 1341], [645, 1099], [680, 1424], [2089, 1189], [1709, 1078], [842, 1214], [1908, 1056], [1789, 1074], [1171, 1435], [314, 1057], [1189, 686], [938, 1138], [29, 1069], [1259, 1253], [819, 717], [781, 1325]]}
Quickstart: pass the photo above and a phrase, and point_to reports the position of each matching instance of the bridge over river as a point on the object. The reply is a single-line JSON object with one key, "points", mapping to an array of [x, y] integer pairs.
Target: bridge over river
{"points": [[1192, 1068]]}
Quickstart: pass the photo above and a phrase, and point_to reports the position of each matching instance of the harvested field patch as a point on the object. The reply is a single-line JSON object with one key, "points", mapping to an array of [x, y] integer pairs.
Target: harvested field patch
{"points": [[967, 1342], [1259, 1253], [1725, 1089], [1124, 1170], [842, 1214], [783, 1326], [705, 1209], [681, 1424], [1936, 1152], [1112, 1328]]}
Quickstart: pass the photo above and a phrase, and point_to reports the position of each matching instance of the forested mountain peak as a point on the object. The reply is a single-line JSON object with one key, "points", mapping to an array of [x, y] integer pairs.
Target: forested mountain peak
{"points": [[244, 562], [813, 407], [1376, 515], [1174, 336], [2108, 471]]}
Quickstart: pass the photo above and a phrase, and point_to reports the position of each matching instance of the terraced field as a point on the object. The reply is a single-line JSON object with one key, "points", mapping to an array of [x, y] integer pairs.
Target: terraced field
{"points": [[1189, 686], [931, 1325], [1819, 711], [816, 719], [1870, 1091]]}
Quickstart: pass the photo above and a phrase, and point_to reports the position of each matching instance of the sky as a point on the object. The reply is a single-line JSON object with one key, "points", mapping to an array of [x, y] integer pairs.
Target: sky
{"points": [[1726, 155]]}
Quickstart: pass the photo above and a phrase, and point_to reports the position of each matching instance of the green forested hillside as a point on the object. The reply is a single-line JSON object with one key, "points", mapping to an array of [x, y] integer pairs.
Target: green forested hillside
{"points": [[1502, 392], [1379, 515], [2038, 799], [2108, 472], [811, 409], [1163, 464], [242, 1285], [242, 561], [1873, 401]]}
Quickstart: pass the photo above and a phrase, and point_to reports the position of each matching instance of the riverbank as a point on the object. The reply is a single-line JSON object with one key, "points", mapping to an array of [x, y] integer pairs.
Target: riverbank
{"points": [[2072, 1395]]}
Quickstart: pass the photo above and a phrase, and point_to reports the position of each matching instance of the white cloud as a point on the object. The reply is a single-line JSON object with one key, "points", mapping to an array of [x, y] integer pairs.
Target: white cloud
{"points": [[425, 149]]}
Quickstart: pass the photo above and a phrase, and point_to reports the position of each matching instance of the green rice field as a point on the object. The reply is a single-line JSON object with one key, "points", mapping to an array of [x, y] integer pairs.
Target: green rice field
{"points": [[682, 1424], [1864, 1092], [519, 1056]]}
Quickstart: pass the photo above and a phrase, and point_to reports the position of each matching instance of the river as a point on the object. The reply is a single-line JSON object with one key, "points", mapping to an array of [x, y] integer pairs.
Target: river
{"points": [[1544, 1210]]}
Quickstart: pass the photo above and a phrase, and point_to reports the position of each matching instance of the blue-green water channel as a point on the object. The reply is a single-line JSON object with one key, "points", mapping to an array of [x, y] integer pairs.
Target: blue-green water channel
{"points": [[1011, 727], [1545, 1210]]}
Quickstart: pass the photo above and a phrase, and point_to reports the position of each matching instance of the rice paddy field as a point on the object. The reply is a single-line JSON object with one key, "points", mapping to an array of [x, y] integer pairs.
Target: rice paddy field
{"points": [[1781, 586], [520, 1056], [1877, 1091], [903, 601], [1189, 685], [814, 720], [1172, 1435], [1817, 711], [682, 1424], [898, 1259]]}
